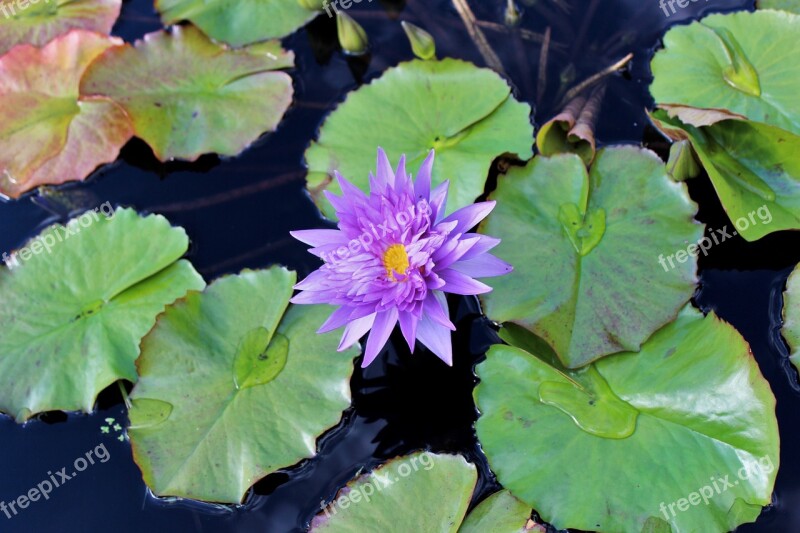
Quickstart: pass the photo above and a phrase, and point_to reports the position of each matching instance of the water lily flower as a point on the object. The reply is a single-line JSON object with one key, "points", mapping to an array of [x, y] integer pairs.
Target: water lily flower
{"points": [[394, 256]]}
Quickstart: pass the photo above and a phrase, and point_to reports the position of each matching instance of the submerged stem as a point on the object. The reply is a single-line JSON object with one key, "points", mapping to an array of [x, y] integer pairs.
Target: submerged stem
{"points": [[477, 35], [588, 82]]}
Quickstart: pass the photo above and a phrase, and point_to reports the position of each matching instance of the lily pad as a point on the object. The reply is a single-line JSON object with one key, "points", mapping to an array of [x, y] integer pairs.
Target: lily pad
{"points": [[683, 432], [187, 96], [745, 63], [233, 386], [238, 22], [422, 492], [467, 114], [76, 302], [754, 169], [49, 132], [791, 316], [499, 513], [596, 269], [41, 21]]}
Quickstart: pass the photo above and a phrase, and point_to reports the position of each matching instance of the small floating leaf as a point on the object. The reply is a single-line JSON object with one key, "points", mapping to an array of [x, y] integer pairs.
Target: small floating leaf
{"points": [[744, 63], [188, 96], [41, 21], [592, 283], [466, 113], [193, 359], [422, 492], [238, 22], [49, 132], [702, 407], [499, 513], [791, 316], [147, 412], [53, 355], [259, 358]]}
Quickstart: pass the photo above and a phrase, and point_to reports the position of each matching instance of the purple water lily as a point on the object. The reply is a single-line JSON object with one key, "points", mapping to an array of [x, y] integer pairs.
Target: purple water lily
{"points": [[394, 256]]}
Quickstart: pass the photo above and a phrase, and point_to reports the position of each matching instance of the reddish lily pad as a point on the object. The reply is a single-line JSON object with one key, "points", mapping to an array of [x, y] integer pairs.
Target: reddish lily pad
{"points": [[188, 96], [50, 133], [40, 21]]}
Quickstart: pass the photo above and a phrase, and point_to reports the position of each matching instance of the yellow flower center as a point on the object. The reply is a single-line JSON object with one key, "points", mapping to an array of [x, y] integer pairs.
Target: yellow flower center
{"points": [[395, 259]]}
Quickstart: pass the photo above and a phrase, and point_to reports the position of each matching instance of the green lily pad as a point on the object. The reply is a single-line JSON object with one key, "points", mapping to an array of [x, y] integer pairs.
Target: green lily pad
{"points": [[49, 132], [591, 251], [467, 114], [238, 22], [683, 432], [422, 492], [792, 6], [77, 301], [745, 63], [188, 96], [41, 21], [754, 169], [234, 385], [499, 513], [791, 316]]}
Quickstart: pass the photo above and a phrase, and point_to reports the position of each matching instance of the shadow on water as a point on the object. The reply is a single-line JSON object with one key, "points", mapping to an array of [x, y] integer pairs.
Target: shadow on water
{"points": [[239, 211]]}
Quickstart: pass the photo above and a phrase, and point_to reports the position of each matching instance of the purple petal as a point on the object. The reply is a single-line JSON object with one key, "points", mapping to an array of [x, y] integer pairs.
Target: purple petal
{"points": [[462, 247], [384, 170], [314, 281], [458, 283], [422, 185], [338, 318], [484, 266], [320, 237], [381, 329], [402, 183], [468, 217], [355, 330], [436, 308], [438, 201], [350, 193], [436, 338], [484, 244], [408, 325], [311, 297]]}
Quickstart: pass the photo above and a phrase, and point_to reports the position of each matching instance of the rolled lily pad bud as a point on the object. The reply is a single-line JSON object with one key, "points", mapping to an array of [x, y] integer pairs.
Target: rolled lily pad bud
{"points": [[512, 14], [422, 43], [682, 164], [352, 36], [311, 5]]}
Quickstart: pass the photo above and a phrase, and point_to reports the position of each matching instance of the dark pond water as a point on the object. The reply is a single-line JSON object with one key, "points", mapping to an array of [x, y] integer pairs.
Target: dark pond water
{"points": [[238, 214]]}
